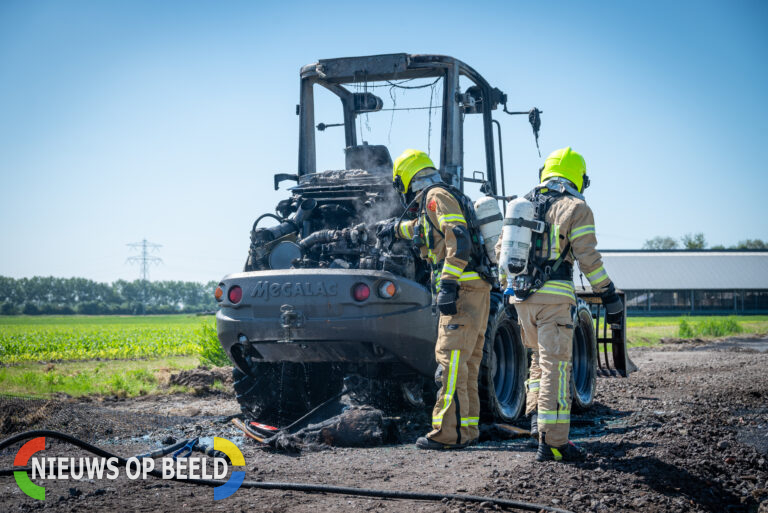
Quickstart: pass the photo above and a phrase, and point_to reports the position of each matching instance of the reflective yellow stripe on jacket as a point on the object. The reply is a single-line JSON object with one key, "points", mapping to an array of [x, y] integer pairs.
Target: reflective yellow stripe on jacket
{"points": [[452, 270], [405, 231], [580, 231], [460, 274], [558, 288], [554, 241], [428, 239], [450, 218], [469, 276], [597, 276]]}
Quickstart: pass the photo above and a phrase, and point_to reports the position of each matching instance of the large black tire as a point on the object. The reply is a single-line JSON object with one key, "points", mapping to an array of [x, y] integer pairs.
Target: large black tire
{"points": [[504, 368], [584, 374], [279, 393]]}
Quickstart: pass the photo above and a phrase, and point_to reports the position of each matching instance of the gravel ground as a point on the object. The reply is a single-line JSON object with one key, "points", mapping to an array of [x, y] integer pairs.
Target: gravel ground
{"points": [[687, 432]]}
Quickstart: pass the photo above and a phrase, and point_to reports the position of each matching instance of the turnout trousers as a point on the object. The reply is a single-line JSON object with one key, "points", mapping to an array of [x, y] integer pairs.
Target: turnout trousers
{"points": [[459, 351], [548, 330]]}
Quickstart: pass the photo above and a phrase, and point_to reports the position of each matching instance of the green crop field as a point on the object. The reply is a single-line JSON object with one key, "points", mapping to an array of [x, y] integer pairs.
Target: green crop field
{"points": [[45, 355], [62, 338], [144, 350], [55, 338]]}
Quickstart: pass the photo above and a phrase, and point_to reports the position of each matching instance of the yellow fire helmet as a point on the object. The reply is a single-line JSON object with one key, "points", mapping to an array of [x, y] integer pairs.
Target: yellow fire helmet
{"points": [[407, 165], [568, 164]]}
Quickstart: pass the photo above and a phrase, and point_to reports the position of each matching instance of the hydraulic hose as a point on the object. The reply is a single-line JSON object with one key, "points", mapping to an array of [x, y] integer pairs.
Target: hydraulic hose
{"points": [[298, 487], [264, 216], [318, 237]]}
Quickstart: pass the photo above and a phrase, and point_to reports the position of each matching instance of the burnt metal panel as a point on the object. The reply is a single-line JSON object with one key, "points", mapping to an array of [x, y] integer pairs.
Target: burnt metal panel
{"points": [[362, 68], [307, 155], [332, 72], [452, 155]]}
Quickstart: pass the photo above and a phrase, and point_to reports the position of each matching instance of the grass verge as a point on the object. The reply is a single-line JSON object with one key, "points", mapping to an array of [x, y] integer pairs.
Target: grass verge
{"points": [[123, 378], [209, 348]]}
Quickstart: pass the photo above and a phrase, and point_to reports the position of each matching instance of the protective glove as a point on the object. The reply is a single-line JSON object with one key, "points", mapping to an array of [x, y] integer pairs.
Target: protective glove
{"points": [[386, 229], [446, 298], [614, 308]]}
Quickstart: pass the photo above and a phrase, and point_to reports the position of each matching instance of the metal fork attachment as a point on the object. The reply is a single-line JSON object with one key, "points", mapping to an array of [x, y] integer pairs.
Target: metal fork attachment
{"points": [[612, 357]]}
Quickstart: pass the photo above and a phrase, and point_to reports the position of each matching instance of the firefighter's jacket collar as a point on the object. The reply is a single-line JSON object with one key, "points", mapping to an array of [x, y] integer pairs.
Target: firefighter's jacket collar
{"points": [[561, 185]]}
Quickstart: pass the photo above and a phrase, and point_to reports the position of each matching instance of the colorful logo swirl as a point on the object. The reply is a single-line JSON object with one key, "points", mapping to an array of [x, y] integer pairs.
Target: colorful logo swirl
{"points": [[21, 460], [238, 476]]}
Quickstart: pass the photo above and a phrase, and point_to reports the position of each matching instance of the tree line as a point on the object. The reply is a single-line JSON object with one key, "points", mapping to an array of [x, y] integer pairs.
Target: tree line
{"points": [[63, 296], [698, 241]]}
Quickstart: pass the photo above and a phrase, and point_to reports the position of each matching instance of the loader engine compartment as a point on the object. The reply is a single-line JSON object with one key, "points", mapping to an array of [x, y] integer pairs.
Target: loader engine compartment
{"points": [[329, 222]]}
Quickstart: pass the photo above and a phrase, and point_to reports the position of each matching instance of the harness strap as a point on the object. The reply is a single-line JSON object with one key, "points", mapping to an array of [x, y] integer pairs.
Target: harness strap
{"points": [[490, 219], [560, 259], [536, 226]]}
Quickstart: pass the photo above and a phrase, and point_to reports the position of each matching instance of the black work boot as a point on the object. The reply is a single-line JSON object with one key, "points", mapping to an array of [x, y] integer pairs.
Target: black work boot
{"points": [[567, 452], [426, 443], [534, 426]]}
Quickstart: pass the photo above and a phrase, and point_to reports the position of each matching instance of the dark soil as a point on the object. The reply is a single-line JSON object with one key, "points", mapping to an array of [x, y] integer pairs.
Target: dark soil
{"points": [[202, 377], [687, 432]]}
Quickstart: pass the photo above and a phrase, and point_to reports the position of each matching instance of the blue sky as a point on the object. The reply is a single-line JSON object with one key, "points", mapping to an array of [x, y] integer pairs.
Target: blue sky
{"points": [[166, 120]]}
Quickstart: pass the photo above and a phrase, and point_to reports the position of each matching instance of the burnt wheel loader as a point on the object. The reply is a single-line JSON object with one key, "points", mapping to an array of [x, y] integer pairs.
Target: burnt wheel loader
{"points": [[320, 297]]}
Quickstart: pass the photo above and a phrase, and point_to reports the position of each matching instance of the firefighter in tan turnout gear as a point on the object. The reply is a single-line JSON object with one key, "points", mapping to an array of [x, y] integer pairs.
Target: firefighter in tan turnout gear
{"points": [[560, 227], [441, 233]]}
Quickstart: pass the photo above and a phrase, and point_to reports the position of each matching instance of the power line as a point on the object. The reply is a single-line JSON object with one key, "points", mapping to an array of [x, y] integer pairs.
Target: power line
{"points": [[144, 259]]}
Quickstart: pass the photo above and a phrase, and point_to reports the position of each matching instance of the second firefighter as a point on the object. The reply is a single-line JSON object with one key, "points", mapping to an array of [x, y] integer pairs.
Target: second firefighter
{"points": [[441, 233]]}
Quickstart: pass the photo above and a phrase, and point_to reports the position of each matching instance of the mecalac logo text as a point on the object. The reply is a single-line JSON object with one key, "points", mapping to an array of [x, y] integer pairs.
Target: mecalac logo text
{"points": [[267, 289]]}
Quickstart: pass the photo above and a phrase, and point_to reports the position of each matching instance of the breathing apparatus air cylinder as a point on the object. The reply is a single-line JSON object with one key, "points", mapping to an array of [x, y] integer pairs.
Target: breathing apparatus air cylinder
{"points": [[516, 238], [490, 221]]}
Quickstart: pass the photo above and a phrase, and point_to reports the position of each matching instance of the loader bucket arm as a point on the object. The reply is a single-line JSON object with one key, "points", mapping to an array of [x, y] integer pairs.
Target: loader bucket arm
{"points": [[612, 357]]}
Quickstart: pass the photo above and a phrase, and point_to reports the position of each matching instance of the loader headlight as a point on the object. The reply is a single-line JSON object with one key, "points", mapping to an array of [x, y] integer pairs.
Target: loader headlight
{"points": [[387, 290]]}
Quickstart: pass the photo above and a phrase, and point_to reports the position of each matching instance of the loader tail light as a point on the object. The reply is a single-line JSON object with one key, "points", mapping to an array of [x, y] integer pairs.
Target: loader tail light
{"points": [[235, 294], [361, 292], [218, 293], [387, 290]]}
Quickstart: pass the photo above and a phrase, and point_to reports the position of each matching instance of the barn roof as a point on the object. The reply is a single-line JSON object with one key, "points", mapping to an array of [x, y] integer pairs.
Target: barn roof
{"points": [[708, 269]]}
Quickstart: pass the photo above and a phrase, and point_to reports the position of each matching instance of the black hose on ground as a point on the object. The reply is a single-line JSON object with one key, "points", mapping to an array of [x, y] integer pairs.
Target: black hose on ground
{"points": [[163, 451], [298, 487]]}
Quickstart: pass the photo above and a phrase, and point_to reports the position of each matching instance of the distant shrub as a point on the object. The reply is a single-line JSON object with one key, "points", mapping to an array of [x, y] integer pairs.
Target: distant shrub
{"points": [[718, 327], [30, 309], [9, 308], [685, 330], [91, 308], [54, 309], [162, 309], [209, 347]]}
